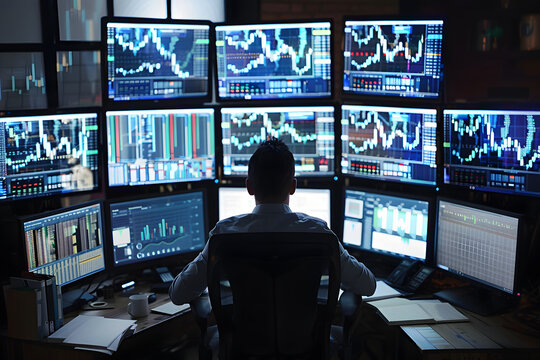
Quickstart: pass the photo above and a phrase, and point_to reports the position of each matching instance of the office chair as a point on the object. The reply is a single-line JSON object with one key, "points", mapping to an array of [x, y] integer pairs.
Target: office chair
{"points": [[273, 294]]}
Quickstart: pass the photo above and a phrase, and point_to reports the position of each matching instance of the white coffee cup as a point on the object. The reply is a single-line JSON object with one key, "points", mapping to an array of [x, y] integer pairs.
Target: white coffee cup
{"points": [[138, 305]]}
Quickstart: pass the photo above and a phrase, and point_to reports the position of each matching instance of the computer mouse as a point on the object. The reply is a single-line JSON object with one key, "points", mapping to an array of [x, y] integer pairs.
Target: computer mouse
{"points": [[151, 298]]}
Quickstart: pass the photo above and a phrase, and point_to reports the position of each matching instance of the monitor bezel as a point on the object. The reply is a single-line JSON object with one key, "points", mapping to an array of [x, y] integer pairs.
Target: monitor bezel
{"points": [[171, 260], [63, 112], [112, 104], [380, 253], [524, 108], [313, 176], [398, 99], [153, 185], [87, 278], [231, 101], [389, 180], [470, 279]]}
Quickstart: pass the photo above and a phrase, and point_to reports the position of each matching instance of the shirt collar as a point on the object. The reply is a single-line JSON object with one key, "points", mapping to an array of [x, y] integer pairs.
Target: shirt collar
{"points": [[272, 209]]}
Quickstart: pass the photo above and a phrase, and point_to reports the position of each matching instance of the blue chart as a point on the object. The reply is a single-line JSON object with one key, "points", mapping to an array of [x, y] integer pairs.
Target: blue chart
{"points": [[504, 141], [22, 81], [250, 129], [48, 154], [386, 134], [388, 48], [274, 61], [308, 132], [281, 52], [150, 62], [80, 20], [153, 228]]}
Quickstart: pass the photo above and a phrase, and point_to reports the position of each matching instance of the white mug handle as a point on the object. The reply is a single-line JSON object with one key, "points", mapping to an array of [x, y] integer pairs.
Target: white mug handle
{"points": [[129, 308]]}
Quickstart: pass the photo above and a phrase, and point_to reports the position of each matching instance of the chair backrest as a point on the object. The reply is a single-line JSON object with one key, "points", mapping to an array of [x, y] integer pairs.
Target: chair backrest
{"points": [[274, 294]]}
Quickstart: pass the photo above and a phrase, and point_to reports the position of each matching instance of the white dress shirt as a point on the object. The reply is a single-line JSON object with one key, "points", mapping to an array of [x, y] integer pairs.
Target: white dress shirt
{"points": [[191, 282]]}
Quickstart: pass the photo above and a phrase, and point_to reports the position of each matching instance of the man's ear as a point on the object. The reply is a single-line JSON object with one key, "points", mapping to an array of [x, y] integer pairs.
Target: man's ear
{"points": [[293, 187], [249, 188]]}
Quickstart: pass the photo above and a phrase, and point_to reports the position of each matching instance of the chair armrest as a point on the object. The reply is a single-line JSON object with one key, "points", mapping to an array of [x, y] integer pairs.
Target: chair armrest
{"points": [[350, 308], [201, 309]]}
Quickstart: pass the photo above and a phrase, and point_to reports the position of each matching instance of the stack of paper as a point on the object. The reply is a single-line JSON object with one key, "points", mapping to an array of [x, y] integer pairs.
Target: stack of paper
{"points": [[399, 311], [94, 332]]}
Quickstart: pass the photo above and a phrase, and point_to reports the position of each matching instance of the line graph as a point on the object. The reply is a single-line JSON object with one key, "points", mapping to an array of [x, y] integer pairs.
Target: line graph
{"points": [[387, 134], [388, 48], [307, 131], [496, 140], [250, 129], [271, 51], [163, 61]]}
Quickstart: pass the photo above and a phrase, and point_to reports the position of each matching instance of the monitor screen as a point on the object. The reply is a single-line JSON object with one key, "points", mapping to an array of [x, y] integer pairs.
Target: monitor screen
{"points": [[307, 131], [386, 224], [159, 146], [478, 244], [313, 202], [158, 227], [68, 244], [393, 57], [389, 143], [153, 61], [271, 61], [493, 150], [47, 155]]}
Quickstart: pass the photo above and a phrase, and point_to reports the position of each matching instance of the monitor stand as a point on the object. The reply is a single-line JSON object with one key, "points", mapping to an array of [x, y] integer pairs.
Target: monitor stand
{"points": [[478, 300], [74, 299]]}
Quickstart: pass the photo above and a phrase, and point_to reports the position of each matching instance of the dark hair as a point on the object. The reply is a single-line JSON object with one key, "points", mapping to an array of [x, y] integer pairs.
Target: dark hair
{"points": [[271, 171]]}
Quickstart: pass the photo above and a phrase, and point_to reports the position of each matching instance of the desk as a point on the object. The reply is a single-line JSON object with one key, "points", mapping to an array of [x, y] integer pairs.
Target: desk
{"points": [[154, 332], [380, 341]]}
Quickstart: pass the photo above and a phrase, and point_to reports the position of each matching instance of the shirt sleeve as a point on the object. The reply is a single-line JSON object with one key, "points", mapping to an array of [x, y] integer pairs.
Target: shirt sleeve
{"points": [[355, 276], [191, 281]]}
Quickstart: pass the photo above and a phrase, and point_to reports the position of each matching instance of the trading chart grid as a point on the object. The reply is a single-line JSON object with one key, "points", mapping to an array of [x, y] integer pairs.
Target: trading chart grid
{"points": [[492, 150], [45, 155], [68, 245], [153, 228], [157, 61], [160, 146], [397, 58], [389, 143], [274, 60], [307, 131], [387, 224], [476, 243]]}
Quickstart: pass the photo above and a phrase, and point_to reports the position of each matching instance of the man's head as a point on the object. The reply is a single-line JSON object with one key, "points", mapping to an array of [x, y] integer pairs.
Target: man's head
{"points": [[271, 173]]}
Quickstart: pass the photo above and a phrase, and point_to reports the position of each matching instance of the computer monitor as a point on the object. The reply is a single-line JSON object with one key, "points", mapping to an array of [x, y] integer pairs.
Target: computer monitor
{"points": [[160, 146], [313, 202], [386, 224], [48, 154], [274, 61], [155, 228], [393, 57], [389, 143], [479, 244], [307, 131], [148, 59], [67, 243], [495, 150]]}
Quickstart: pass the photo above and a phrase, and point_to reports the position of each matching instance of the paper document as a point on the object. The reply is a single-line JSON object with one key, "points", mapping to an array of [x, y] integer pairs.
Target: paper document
{"points": [[70, 327], [98, 331], [449, 336], [400, 311], [383, 291], [170, 309]]}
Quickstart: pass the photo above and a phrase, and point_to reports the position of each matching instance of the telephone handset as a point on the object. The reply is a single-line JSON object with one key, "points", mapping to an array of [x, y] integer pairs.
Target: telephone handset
{"points": [[409, 275]]}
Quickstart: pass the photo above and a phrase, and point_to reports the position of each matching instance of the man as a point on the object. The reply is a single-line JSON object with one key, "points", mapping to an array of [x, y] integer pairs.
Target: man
{"points": [[271, 180]]}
